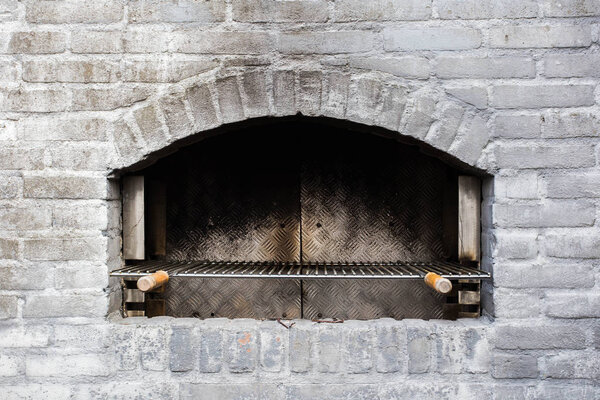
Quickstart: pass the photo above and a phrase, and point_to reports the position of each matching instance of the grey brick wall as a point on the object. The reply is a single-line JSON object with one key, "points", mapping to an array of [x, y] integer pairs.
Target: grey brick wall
{"points": [[88, 88]]}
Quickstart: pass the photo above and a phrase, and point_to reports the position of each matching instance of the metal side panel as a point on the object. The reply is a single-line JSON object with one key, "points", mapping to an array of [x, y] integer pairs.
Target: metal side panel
{"points": [[233, 298], [370, 299]]}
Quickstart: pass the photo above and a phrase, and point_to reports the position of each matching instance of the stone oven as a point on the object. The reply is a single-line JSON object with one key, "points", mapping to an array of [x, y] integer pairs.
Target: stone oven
{"points": [[262, 142], [302, 219]]}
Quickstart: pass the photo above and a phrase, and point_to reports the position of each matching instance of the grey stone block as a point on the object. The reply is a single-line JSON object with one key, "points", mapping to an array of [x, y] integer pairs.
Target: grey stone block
{"points": [[8, 307], [243, 351], [211, 351], [300, 350], [513, 366], [358, 354], [420, 350], [272, 349], [308, 92], [329, 346], [153, 347], [540, 36], [431, 38], [541, 96], [230, 100], [182, 350], [283, 92], [254, 85], [391, 353], [203, 109], [540, 336]]}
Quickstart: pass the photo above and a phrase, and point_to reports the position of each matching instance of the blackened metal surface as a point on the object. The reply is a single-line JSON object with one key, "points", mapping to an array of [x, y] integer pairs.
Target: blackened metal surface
{"points": [[233, 298], [369, 299]]}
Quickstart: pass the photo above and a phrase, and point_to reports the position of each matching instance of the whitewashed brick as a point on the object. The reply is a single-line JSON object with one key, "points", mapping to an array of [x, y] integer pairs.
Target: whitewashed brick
{"points": [[517, 126], [10, 365], [63, 128], [516, 245], [484, 67], [381, 10], [570, 124], [571, 65], [408, 67], [570, 8], [431, 38], [540, 96], [280, 11], [34, 391], [52, 306], [25, 218], [572, 365], [81, 275], [573, 244], [8, 309], [143, 11], [96, 41], [27, 276], [163, 70], [201, 42], [545, 156], [106, 99], [540, 36], [550, 275], [476, 96], [336, 42], [65, 187], [66, 365], [65, 249], [34, 100], [71, 11], [37, 43], [582, 305], [548, 214], [25, 336], [487, 9], [71, 71], [145, 40]]}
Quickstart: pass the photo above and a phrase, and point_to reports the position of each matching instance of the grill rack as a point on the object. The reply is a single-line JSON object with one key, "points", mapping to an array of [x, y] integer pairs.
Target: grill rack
{"points": [[296, 270]]}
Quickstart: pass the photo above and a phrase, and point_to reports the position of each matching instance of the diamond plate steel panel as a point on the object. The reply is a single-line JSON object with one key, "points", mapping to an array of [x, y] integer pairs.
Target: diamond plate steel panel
{"points": [[369, 299], [233, 298]]}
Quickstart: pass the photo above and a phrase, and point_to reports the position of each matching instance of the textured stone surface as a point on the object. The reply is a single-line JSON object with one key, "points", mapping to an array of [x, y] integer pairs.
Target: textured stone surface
{"points": [[506, 86]]}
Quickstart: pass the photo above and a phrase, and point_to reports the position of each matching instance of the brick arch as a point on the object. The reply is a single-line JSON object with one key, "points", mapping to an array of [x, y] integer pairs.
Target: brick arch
{"points": [[374, 99]]}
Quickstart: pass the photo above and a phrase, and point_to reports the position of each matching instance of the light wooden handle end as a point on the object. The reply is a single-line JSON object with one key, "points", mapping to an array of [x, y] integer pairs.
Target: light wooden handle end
{"points": [[150, 282], [437, 283]]}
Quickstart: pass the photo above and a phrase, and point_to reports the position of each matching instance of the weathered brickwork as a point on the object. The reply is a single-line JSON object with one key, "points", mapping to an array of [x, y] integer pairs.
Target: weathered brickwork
{"points": [[89, 88]]}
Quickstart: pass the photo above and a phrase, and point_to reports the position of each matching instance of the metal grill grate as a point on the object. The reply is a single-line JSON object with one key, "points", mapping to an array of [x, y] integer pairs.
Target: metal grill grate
{"points": [[295, 270]]}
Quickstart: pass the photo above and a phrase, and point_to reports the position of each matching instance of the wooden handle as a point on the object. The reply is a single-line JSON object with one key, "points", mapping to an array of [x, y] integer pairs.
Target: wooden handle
{"points": [[150, 282], [437, 283]]}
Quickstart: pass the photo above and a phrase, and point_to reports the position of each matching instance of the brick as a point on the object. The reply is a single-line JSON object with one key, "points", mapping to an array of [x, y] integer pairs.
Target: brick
{"points": [[26, 277], [202, 106], [406, 67], [126, 389], [329, 350], [524, 185], [419, 117], [145, 40], [562, 305], [9, 249], [335, 42], [390, 344], [284, 99], [571, 65], [9, 71], [381, 10], [484, 67], [300, 350], [358, 349], [308, 92], [26, 218], [470, 142], [127, 143], [65, 249], [101, 99], [206, 391], [152, 342], [151, 127], [335, 95], [8, 309], [545, 156], [96, 42], [573, 185], [254, 85], [540, 36], [230, 100], [572, 365], [280, 11], [549, 214], [64, 128], [143, 11], [474, 95], [443, 133], [420, 346], [9, 10], [78, 157], [16, 158], [243, 351], [224, 42], [541, 336], [510, 303], [10, 365], [32, 391], [517, 126], [164, 70], [52, 306], [431, 38], [65, 187], [66, 365], [173, 108], [10, 187], [487, 9], [181, 349], [536, 96], [25, 336], [272, 350], [84, 337], [211, 351], [363, 104], [558, 391], [477, 357], [570, 8], [332, 391], [392, 107], [125, 347], [34, 100], [543, 276], [71, 71], [81, 275], [573, 244], [514, 366], [515, 245], [37, 43], [71, 11], [570, 124]]}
